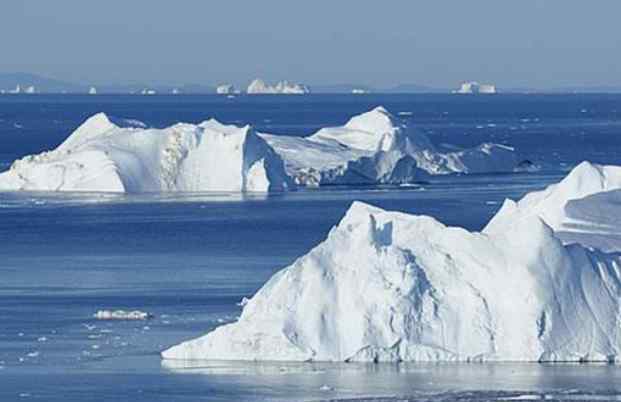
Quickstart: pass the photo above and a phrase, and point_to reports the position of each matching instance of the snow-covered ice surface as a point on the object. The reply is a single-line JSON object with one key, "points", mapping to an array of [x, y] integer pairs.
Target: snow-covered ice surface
{"points": [[387, 286], [102, 156], [371, 148], [190, 258], [122, 315], [584, 207], [377, 147], [260, 87]]}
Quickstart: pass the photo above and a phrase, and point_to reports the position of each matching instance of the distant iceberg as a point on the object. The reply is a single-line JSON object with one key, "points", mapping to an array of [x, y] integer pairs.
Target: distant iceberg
{"points": [[389, 286], [473, 87], [259, 86], [226, 89], [102, 156], [126, 156]]}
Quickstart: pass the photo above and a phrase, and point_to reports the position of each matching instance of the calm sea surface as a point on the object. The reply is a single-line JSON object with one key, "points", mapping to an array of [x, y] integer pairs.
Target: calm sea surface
{"points": [[189, 259]]}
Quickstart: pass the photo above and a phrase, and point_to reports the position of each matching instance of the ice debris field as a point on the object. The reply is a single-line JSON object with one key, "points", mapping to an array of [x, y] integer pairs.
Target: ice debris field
{"points": [[389, 286], [372, 148]]}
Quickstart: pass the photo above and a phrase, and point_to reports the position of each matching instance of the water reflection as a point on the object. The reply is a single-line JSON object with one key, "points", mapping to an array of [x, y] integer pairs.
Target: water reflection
{"points": [[441, 381]]}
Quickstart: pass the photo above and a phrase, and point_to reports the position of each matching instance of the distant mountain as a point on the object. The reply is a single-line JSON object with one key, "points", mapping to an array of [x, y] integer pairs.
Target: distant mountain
{"points": [[9, 81], [399, 89], [413, 89], [138, 88], [340, 89], [586, 89], [41, 84]]}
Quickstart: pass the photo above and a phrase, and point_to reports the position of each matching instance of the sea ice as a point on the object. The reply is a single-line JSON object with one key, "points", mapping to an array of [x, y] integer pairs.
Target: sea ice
{"points": [[122, 315]]}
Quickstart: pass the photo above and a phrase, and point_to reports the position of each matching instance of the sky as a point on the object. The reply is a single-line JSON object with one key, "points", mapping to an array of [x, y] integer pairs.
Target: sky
{"points": [[525, 43]]}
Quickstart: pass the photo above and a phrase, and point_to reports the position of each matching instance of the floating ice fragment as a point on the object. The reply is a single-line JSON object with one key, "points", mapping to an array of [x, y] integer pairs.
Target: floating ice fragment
{"points": [[122, 315], [243, 302]]}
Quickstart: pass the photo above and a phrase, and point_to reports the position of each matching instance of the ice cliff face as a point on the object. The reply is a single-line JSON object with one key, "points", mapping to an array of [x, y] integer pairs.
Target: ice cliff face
{"points": [[388, 286], [377, 147], [259, 86], [102, 156]]}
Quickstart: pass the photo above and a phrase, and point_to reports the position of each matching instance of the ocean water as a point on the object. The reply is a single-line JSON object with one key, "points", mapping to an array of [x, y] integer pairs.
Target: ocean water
{"points": [[189, 259]]}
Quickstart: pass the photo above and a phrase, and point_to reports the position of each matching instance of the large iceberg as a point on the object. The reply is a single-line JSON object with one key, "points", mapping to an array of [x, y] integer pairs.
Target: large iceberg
{"points": [[377, 147], [389, 286], [259, 86], [374, 147], [103, 156]]}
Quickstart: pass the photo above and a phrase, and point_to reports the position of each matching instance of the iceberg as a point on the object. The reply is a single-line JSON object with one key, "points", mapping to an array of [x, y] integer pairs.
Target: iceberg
{"points": [[122, 315], [226, 89], [259, 86], [127, 156], [473, 87], [103, 156], [580, 208], [389, 286], [377, 147]]}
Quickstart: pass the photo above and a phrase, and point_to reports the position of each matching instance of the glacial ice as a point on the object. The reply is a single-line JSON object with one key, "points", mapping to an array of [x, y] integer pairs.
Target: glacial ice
{"points": [[389, 286], [377, 147], [102, 156], [583, 207], [259, 86], [127, 156], [122, 315]]}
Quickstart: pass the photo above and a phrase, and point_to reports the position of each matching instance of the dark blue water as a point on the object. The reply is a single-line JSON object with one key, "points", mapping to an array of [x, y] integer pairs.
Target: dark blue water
{"points": [[550, 129], [189, 259]]}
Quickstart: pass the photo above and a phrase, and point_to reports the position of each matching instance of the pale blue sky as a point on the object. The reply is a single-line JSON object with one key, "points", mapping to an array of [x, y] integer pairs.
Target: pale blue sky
{"points": [[543, 43]]}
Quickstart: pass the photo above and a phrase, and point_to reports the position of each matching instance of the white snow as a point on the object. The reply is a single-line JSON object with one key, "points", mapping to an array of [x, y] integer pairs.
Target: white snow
{"points": [[126, 156], [389, 286], [226, 89], [122, 315], [473, 87], [378, 147], [579, 208], [259, 86], [102, 156]]}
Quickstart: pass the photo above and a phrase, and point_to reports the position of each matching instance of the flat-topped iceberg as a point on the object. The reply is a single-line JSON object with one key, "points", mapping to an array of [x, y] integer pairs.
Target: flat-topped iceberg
{"points": [[377, 147], [122, 315], [259, 86], [389, 286], [102, 156]]}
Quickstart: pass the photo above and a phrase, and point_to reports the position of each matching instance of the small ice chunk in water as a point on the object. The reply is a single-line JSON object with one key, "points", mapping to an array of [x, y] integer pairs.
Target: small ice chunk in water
{"points": [[325, 387], [243, 302], [122, 315]]}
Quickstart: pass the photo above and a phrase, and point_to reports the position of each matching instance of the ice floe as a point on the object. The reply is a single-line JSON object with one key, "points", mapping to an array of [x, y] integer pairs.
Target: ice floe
{"points": [[122, 315]]}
